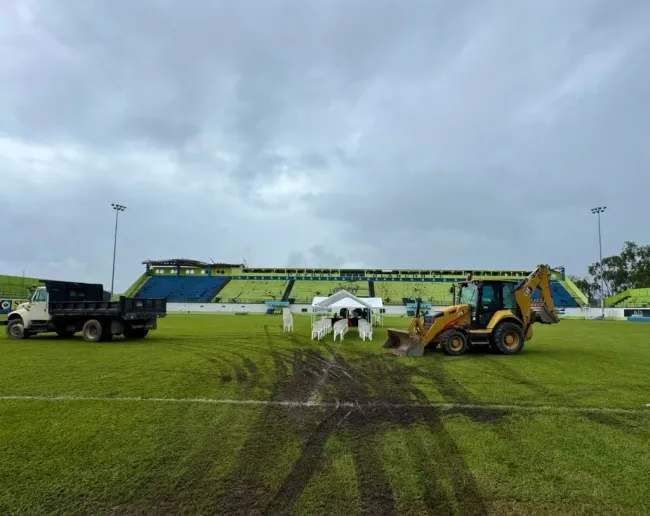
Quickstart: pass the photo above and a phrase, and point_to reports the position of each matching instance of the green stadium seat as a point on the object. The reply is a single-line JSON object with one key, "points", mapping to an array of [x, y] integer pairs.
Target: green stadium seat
{"points": [[395, 292], [16, 287], [304, 291], [252, 291]]}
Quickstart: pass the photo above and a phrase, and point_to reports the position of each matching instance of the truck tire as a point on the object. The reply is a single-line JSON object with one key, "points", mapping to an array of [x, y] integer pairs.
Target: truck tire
{"points": [[454, 342], [508, 338], [15, 330], [135, 333], [93, 331]]}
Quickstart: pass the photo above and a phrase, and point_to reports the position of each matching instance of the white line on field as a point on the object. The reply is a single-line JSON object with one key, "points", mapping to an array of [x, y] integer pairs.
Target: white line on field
{"points": [[342, 404]]}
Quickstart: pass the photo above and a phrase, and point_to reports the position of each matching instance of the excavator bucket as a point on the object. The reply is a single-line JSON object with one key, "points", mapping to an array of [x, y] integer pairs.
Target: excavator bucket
{"points": [[545, 316], [401, 343]]}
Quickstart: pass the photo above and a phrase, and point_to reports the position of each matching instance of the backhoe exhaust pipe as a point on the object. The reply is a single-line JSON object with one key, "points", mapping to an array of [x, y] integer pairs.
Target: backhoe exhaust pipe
{"points": [[400, 342]]}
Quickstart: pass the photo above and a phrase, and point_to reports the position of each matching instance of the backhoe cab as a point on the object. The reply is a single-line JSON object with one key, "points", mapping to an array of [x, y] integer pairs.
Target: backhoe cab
{"points": [[498, 313]]}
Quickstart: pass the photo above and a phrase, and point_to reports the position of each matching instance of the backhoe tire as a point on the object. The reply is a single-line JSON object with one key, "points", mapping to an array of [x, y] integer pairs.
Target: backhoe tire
{"points": [[93, 331], [15, 330], [454, 342], [508, 338]]}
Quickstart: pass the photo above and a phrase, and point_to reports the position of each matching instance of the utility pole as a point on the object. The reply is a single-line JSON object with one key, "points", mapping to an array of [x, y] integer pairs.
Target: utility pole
{"points": [[117, 208], [597, 211]]}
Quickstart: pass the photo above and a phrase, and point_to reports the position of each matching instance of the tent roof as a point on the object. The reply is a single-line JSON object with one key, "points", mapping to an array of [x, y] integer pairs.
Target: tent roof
{"points": [[344, 299]]}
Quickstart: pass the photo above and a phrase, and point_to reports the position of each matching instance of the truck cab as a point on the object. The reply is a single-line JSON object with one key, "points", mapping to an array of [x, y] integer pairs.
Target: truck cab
{"points": [[34, 311]]}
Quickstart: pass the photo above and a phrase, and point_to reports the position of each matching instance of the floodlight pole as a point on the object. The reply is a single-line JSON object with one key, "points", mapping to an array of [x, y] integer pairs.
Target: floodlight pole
{"points": [[117, 208], [598, 210]]}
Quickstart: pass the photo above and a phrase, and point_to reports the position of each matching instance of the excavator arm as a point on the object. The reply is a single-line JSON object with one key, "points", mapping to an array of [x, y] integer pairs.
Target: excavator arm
{"points": [[544, 313]]}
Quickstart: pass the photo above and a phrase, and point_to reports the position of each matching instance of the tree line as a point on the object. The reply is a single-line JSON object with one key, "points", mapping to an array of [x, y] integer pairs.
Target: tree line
{"points": [[629, 269]]}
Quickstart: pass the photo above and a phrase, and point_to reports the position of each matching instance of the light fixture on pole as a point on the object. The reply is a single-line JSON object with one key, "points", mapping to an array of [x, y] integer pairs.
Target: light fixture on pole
{"points": [[118, 208], [597, 211]]}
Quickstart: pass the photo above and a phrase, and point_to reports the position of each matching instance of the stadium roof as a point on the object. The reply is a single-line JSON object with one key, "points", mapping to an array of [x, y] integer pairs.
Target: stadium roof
{"points": [[184, 262]]}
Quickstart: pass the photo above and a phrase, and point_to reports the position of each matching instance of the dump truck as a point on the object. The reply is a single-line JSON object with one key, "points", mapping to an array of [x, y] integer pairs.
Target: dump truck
{"points": [[66, 308], [495, 313]]}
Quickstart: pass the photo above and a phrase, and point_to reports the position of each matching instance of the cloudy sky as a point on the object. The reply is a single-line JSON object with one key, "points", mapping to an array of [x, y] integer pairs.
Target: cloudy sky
{"points": [[379, 133]]}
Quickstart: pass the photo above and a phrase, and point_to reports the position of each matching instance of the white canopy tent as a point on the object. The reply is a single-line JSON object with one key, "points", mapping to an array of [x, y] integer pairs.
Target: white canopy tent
{"points": [[343, 299]]}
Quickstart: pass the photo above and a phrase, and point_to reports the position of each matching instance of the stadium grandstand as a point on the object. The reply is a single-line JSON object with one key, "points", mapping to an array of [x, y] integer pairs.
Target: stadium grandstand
{"points": [[188, 281], [17, 287], [631, 298]]}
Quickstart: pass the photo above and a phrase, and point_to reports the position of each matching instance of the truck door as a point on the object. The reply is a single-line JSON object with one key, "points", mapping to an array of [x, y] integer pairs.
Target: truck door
{"points": [[38, 307]]}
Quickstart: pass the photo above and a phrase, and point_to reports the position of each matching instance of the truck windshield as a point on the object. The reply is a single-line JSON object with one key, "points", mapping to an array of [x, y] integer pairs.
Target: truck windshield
{"points": [[39, 296], [468, 295]]}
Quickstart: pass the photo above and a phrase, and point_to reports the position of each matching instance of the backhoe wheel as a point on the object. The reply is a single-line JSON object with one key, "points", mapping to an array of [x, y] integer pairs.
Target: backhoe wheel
{"points": [[93, 331], [15, 329], [454, 342], [508, 338]]}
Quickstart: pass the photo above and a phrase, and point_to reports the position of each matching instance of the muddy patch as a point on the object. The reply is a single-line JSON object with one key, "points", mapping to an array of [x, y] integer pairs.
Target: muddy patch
{"points": [[378, 394], [500, 369], [356, 399]]}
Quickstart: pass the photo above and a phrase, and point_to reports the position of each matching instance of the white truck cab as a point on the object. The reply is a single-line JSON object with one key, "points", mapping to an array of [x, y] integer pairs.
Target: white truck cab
{"points": [[33, 314], [35, 309]]}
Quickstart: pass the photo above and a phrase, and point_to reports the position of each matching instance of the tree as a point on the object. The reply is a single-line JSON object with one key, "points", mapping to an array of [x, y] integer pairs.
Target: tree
{"points": [[584, 285], [630, 269]]}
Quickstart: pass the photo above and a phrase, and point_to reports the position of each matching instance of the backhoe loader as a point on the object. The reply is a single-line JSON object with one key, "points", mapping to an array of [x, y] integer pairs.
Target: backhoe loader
{"points": [[498, 313]]}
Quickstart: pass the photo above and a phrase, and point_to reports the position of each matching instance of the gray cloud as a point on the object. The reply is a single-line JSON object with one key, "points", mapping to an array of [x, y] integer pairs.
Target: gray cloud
{"points": [[316, 256], [425, 134]]}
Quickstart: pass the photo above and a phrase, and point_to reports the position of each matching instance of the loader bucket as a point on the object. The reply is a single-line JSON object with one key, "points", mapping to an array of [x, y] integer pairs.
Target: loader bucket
{"points": [[545, 316], [402, 344]]}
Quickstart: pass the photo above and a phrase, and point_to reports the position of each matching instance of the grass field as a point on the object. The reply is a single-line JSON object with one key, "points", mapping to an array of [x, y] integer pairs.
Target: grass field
{"points": [[195, 419]]}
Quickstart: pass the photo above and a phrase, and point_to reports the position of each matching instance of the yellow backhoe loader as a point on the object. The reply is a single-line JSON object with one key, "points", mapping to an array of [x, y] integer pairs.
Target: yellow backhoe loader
{"points": [[499, 313]]}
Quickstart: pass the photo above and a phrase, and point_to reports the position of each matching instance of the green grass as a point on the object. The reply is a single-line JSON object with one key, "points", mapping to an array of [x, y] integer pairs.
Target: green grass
{"points": [[482, 452]]}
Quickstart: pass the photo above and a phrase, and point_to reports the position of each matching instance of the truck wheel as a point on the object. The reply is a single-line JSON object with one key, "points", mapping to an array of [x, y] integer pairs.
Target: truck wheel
{"points": [[93, 331], [454, 342], [135, 333], [508, 338], [15, 329]]}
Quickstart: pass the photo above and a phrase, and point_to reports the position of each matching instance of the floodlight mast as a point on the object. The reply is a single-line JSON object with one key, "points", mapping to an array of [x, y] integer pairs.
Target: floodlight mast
{"points": [[117, 208], [597, 211]]}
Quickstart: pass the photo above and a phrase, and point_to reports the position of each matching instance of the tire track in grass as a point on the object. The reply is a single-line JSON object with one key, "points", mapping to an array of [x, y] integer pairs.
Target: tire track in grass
{"points": [[392, 382], [607, 417], [277, 429], [363, 397]]}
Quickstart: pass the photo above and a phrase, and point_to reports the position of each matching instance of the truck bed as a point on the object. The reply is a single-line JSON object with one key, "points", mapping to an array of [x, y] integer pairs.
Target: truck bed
{"points": [[127, 308]]}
